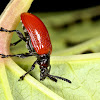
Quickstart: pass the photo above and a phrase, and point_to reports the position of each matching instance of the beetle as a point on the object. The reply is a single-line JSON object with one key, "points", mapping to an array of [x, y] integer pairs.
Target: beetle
{"points": [[38, 44]]}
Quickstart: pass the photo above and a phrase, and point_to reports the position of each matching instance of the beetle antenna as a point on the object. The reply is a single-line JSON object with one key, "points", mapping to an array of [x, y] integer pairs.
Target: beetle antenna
{"points": [[53, 78]]}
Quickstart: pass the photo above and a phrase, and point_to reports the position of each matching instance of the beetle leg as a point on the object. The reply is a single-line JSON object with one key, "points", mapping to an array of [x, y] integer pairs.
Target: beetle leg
{"points": [[53, 78], [17, 55], [29, 45], [33, 66], [13, 44], [20, 35]]}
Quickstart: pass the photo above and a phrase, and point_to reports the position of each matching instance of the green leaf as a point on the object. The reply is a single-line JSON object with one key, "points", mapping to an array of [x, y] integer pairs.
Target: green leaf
{"points": [[30, 88], [82, 70]]}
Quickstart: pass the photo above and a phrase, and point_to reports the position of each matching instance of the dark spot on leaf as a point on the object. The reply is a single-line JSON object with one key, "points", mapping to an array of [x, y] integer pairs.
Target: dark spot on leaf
{"points": [[78, 21], [61, 27], [95, 18], [87, 51], [71, 44]]}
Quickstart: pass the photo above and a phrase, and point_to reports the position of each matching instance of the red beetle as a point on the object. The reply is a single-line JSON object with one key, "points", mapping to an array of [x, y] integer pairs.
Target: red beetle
{"points": [[38, 44]]}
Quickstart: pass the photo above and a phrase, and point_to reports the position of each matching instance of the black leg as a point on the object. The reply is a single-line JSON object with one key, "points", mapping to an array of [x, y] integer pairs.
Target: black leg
{"points": [[15, 43], [53, 78], [33, 66], [17, 55], [20, 35]]}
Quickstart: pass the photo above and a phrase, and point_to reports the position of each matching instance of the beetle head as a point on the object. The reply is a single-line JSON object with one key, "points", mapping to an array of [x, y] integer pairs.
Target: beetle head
{"points": [[43, 72], [44, 61]]}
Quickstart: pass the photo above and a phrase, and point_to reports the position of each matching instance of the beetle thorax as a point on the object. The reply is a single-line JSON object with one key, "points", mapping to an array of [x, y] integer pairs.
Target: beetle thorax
{"points": [[44, 60]]}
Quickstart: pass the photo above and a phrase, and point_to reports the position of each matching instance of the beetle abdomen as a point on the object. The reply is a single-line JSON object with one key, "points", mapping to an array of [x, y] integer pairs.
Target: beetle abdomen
{"points": [[38, 33]]}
